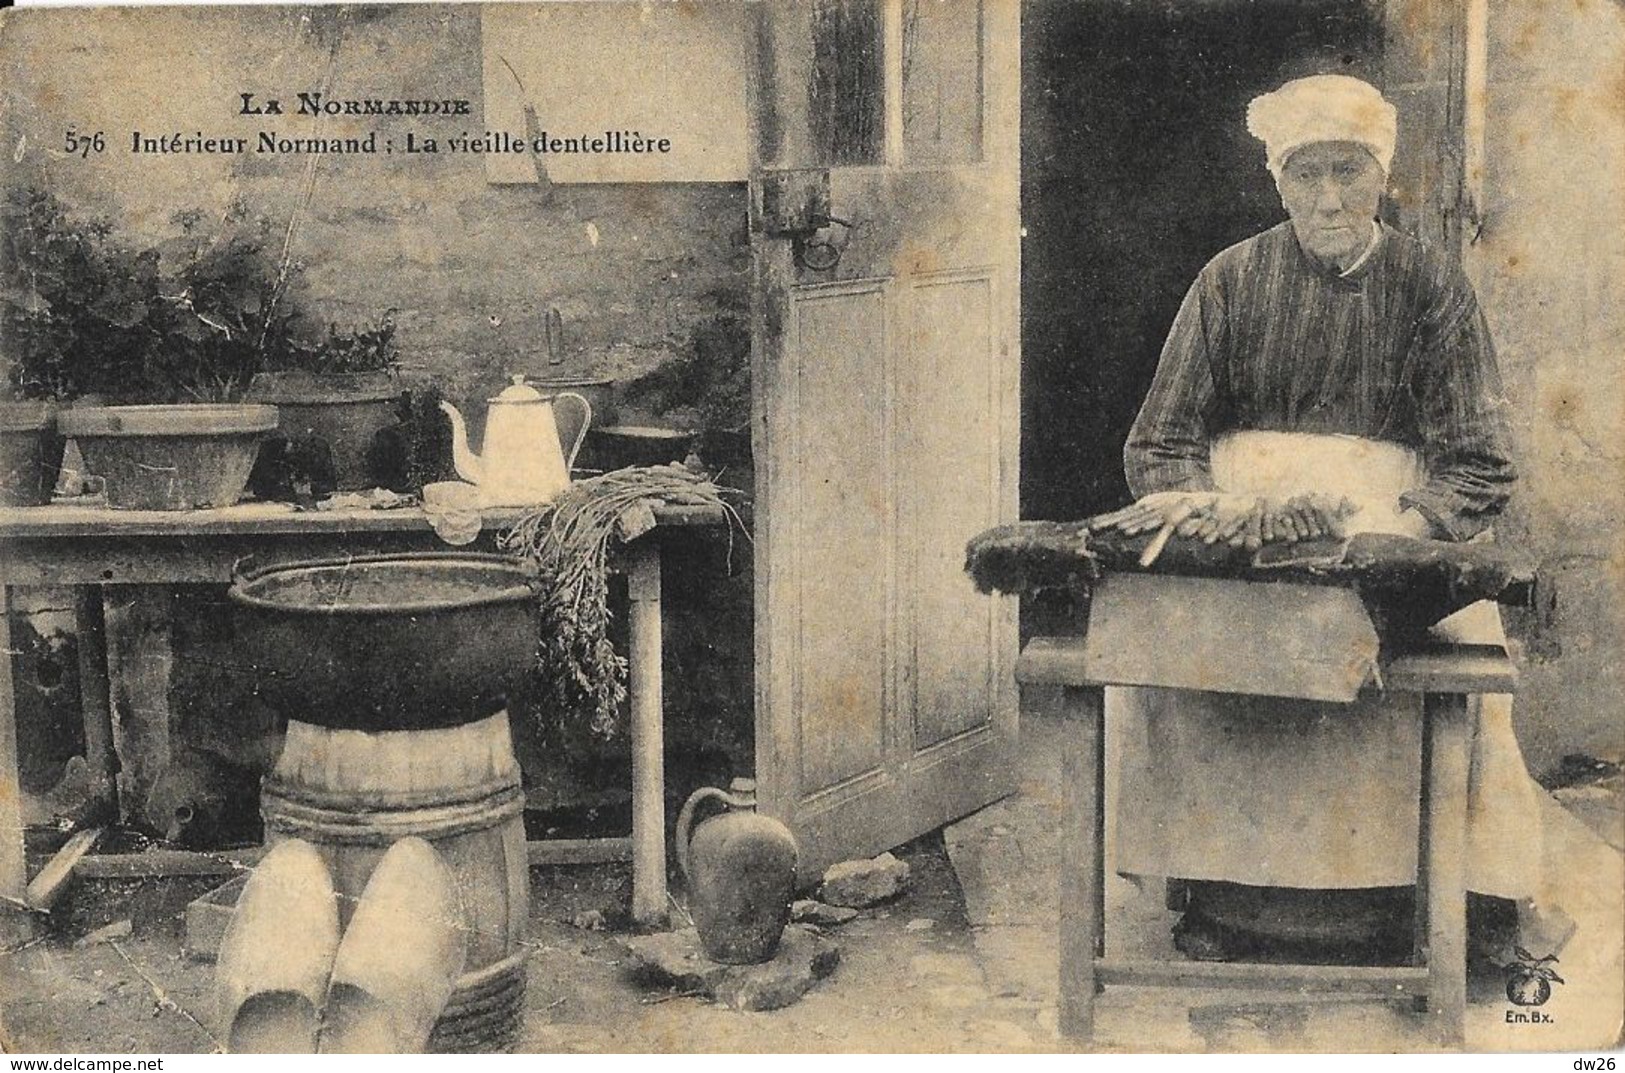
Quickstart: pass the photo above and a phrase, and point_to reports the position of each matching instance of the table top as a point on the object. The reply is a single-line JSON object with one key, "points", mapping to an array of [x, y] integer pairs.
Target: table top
{"points": [[71, 520], [1407, 583]]}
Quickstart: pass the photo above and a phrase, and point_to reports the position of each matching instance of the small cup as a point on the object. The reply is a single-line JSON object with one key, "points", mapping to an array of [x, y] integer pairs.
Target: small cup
{"points": [[453, 509], [449, 496]]}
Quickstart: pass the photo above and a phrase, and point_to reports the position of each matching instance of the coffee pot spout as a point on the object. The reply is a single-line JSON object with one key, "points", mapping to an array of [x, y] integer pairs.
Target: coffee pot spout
{"points": [[468, 464]]}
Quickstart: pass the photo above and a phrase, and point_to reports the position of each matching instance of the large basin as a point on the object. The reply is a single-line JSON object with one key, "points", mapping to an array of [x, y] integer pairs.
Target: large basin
{"points": [[387, 642]]}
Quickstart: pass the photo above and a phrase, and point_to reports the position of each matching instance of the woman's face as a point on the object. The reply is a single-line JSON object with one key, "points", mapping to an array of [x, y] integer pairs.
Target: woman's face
{"points": [[1331, 189]]}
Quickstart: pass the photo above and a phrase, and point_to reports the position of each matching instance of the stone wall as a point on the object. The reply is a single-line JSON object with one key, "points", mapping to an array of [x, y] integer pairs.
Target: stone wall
{"points": [[1549, 265]]}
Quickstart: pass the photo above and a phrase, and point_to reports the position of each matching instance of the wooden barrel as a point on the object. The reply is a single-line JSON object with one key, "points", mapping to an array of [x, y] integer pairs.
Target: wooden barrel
{"points": [[353, 793]]}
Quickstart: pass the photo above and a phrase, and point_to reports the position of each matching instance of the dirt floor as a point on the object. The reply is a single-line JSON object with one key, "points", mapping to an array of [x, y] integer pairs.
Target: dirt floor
{"points": [[962, 962], [902, 984], [1005, 858]]}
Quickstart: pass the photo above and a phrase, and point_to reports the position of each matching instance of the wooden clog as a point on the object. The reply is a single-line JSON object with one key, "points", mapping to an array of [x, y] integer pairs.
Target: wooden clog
{"points": [[271, 974], [400, 957]]}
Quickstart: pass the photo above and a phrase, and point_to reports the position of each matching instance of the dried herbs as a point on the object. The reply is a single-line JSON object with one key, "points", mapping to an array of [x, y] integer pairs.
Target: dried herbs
{"points": [[579, 674]]}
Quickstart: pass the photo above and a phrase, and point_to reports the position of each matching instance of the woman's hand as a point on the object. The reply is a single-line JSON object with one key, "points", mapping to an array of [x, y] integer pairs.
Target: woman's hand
{"points": [[1414, 523], [1154, 511], [1283, 521], [1236, 520]]}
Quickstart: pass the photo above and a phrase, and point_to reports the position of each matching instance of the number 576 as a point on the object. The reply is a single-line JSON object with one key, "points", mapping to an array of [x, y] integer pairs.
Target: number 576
{"points": [[84, 144]]}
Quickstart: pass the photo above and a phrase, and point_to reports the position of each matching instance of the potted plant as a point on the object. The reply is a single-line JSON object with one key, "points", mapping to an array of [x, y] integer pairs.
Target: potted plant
{"points": [[170, 334], [335, 395], [705, 391], [30, 452], [54, 273]]}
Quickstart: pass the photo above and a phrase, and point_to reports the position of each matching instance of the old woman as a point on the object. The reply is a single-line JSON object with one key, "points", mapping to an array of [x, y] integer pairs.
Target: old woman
{"points": [[1328, 355]]}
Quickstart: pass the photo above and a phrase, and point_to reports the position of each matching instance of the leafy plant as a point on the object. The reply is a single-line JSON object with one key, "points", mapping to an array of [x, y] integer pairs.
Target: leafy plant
{"points": [[361, 350], [192, 319], [710, 379], [220, 316], [66, 291]]}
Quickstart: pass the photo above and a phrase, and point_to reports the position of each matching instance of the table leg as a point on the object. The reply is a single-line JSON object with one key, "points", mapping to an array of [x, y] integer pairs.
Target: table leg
{"points": [[1446, 876], [95, 701], [1419, 924], [1082, 883], [15, 922], [645, 691]]}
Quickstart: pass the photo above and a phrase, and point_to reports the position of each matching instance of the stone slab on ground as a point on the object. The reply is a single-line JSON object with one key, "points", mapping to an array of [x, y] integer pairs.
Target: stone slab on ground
{"points": [[676, 959], [860, 884], [807, 911]]}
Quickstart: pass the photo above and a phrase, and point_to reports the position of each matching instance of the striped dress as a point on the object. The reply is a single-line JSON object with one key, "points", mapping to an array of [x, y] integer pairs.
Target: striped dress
{"points": [[1379, 384], [1397, 350]]}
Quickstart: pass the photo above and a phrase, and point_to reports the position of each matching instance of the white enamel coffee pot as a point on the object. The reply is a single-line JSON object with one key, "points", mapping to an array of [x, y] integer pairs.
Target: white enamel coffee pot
{"points": [[522, 464]]}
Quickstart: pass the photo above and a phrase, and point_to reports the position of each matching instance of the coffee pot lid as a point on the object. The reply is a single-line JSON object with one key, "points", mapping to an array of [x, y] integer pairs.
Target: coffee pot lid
{"points": [[518, 391]]}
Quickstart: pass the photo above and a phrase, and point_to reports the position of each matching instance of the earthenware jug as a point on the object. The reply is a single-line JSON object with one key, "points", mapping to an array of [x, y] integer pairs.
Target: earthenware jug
{"points": [[740, 869], [523, 463]]}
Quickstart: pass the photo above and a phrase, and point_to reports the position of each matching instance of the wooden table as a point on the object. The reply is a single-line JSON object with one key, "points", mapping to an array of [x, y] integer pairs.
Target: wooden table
{"points": [[1443, 674], [90, 547]]}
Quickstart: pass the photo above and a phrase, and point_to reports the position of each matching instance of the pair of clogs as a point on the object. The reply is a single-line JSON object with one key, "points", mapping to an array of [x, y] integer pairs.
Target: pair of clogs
{"points": [[288, 983]]}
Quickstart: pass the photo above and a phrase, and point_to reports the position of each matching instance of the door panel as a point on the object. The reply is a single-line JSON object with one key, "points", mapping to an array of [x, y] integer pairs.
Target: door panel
{"points": [[885, 374], [831, 51], [942, 70], [952, 468], [842, 518]]}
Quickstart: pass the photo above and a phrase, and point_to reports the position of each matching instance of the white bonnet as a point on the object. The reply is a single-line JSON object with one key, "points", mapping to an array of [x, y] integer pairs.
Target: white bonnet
{"points": [[1323, 108]]}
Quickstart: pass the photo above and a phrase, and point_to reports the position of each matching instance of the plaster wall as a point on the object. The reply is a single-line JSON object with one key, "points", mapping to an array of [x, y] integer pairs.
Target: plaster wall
{"points": [[472, 267], [1549, 267]]}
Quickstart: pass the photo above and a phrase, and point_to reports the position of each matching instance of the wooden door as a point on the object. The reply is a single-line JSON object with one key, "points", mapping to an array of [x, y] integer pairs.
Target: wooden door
{"points": [[885, 231]]}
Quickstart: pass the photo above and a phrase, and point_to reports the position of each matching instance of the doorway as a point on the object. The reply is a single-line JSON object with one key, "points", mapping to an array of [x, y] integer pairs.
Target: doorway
{"points": [[1136, 169]]}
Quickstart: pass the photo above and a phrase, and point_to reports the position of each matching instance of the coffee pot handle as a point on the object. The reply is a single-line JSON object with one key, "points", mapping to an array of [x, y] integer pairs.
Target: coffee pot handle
{"points": [[581, 427]]}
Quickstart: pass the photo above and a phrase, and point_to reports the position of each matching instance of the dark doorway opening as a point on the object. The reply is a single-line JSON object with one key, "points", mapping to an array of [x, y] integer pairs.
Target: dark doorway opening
{"points": [[1136, 169]]}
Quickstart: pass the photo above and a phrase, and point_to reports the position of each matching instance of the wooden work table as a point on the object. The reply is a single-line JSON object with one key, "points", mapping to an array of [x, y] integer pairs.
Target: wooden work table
{"points": [[89, 547], [1318, 623]]}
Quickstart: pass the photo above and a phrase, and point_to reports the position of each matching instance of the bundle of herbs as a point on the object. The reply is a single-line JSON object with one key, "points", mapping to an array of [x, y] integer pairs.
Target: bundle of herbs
{"points": [[579, 677]]}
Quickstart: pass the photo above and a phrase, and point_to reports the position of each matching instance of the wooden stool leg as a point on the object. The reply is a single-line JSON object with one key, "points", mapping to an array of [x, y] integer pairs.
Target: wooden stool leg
{"points": [[1419, 925], [1446, 864], [1082, 884]]}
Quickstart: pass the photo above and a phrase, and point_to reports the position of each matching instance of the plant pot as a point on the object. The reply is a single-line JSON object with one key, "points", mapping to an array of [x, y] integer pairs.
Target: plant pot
{"points": [[30, 453], [616, 446], [599, 391], [725, 447], [343, 411], [178, 457]]}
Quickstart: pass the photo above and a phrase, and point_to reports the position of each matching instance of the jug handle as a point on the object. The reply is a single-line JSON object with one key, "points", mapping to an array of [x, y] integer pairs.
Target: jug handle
{"points": [[581, 430], [685, 820]]}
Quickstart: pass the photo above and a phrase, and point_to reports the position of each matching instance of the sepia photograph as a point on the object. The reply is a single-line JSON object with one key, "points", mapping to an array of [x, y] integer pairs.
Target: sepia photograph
{"points": [[813, 526]]}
